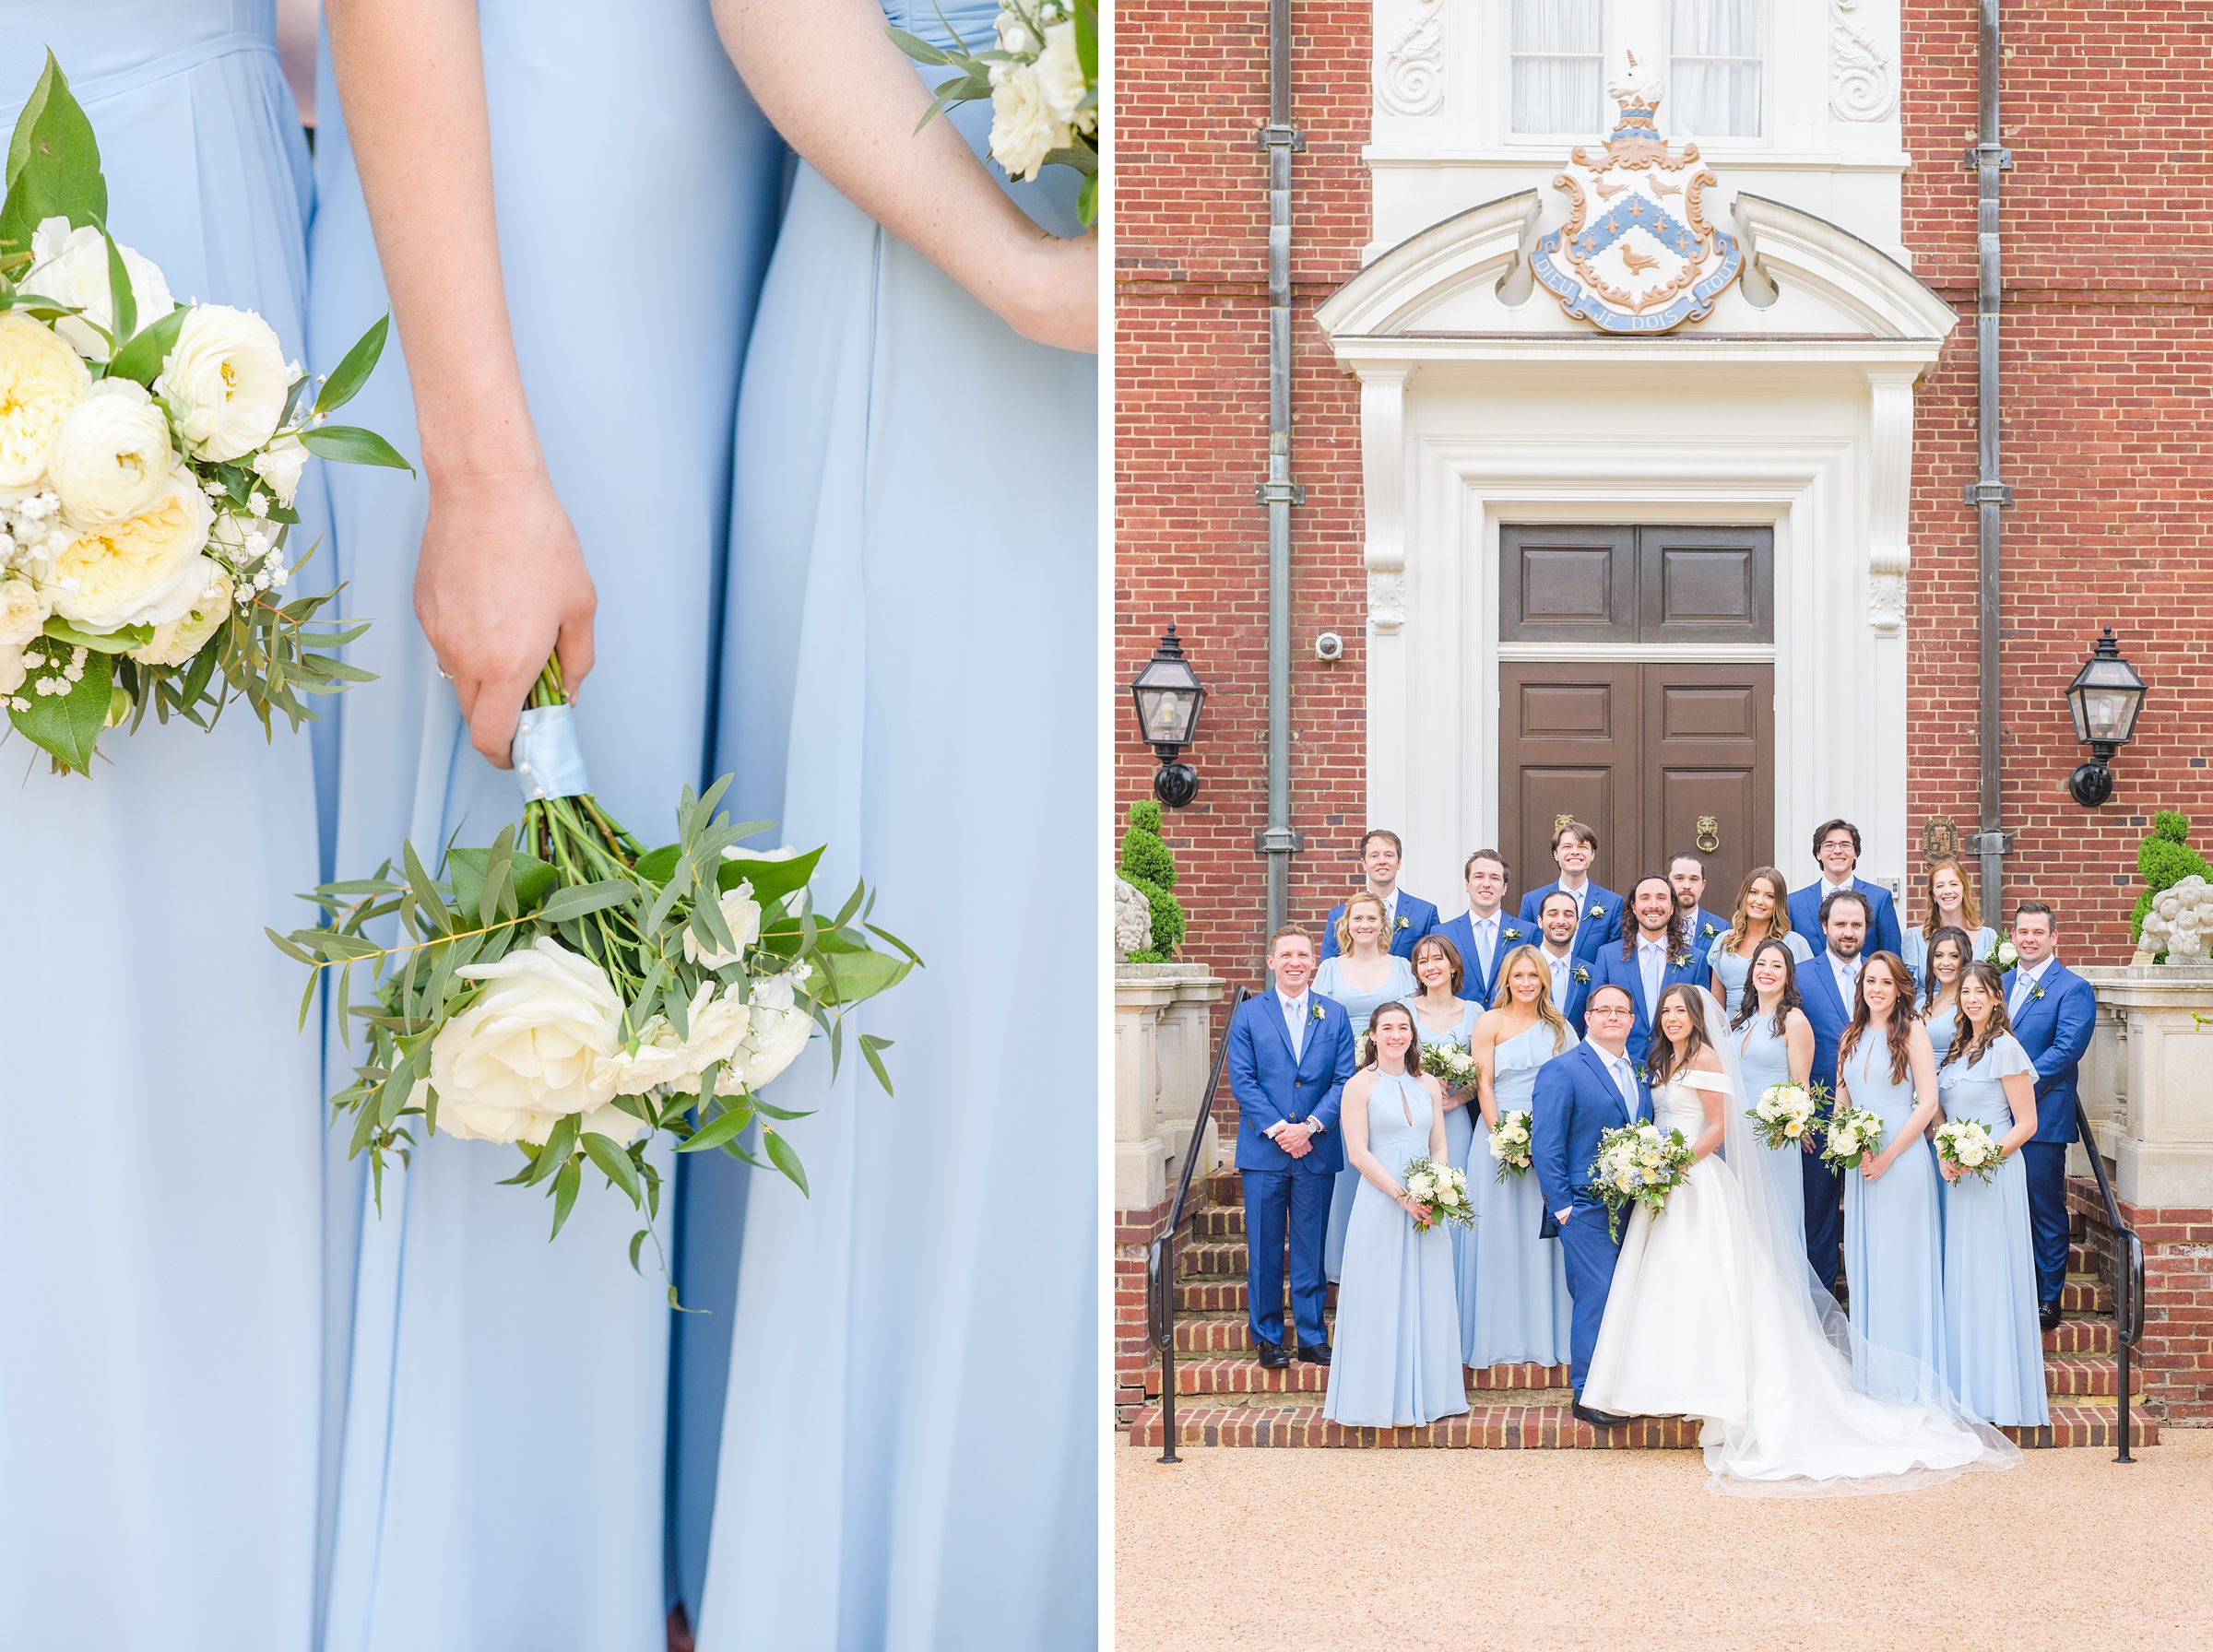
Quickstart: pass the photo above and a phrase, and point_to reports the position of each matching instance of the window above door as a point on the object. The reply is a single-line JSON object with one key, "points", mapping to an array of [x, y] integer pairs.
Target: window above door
{"points": [[1561, 53]]}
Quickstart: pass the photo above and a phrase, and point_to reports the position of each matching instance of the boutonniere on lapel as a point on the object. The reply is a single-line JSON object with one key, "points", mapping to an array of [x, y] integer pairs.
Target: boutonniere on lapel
{"points": [[1511, 934], [1681, 959], [1580, 975], [2036, 992], [1315, 1014], [1706, 932], [1594, 912], [1404, 922]]}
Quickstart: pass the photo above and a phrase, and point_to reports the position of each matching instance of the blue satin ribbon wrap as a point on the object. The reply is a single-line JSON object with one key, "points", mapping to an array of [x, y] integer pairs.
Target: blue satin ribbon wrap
{"points": [[548, 761]]}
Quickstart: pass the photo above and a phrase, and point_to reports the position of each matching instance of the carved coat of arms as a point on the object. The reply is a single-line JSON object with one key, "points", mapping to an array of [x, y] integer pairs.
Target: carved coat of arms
{"points": [[1637, 254]]}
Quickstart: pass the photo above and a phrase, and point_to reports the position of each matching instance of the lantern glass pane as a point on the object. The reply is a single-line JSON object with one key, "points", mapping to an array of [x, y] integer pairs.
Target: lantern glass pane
{"points": [[1167, 715], [2104, 711]]}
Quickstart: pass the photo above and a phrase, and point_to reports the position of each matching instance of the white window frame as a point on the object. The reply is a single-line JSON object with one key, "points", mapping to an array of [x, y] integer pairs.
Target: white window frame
{"points": [[1657, 21]]}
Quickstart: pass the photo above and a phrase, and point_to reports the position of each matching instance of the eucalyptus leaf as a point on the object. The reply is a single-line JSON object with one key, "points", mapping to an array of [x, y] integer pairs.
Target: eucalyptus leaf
{"points": [[53, 162], [615, 1163], [350, 444], [353, 369], [564, 1193], [578, 898], [780, 1153], [724, 1126]]}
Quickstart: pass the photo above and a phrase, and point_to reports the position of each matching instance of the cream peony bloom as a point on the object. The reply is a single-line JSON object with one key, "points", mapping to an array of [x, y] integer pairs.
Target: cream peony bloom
{"points": [[743, 914], [279, 464], [780, 1028], [40, 380], [1061, 77], [175, 641], [1023, 129], [146, 572], [110, 457], [533, 1046], [226, 381], [23, 610], [71, 267]]}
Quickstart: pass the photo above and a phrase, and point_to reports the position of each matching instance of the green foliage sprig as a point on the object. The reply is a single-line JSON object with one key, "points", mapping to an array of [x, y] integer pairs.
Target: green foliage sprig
{"points": [[1149, 865]]}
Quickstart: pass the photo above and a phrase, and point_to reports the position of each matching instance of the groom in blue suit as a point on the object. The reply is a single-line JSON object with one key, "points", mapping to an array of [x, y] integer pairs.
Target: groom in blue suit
{"points": [[1593, 1089], [1290, 1053], [1837, 848], [1653, 957], [1828, 987], [1409, 916], [2054, 1011]]}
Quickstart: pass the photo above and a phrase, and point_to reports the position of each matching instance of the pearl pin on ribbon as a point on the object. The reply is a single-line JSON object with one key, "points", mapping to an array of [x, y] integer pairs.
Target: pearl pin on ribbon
{"points": [[549, 762]]}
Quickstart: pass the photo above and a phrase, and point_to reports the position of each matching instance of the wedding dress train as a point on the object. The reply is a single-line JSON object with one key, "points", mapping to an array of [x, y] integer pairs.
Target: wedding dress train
{"points": [[1714, 1313]]}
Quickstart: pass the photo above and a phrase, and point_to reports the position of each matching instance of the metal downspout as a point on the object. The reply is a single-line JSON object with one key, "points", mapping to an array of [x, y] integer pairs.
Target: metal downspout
{"points": [[1988, 494], [1279, 492]]}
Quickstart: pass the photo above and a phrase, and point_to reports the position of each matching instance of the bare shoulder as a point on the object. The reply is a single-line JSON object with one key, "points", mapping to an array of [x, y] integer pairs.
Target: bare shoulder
{"points": [[1708, 1060], [1356, 1088]]}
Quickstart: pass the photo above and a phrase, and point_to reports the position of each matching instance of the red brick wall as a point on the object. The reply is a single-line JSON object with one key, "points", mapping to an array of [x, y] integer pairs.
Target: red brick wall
{"points": [[2175, 1351], [2108, 368]]}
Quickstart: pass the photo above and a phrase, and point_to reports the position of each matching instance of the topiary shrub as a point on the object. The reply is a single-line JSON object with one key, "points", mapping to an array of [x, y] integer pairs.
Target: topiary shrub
{"points": [[1147, 864], [2164, 859]]}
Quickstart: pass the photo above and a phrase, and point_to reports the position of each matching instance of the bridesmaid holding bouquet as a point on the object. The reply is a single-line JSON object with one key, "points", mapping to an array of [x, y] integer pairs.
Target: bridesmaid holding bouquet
{"points": [[1442, 1016], [1776, 1048], [1364, 975]]}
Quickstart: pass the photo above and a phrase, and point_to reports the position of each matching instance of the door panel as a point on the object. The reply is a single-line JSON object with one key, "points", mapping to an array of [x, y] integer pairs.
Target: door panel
{"points": [[1567, 585], [1706, 584], [1708, 757], [1568, 741]]}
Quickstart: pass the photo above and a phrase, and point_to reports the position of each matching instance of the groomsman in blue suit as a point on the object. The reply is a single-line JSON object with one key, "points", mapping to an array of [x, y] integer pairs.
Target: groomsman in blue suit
{"points": [[1828, 986], [1290, 1053], [1411, 917], [1597, 911], [1572, 978], [1487, 932], [1581, 1095], [1653, 955], [1686, 876], [2054, 1011], [1837, 848]]}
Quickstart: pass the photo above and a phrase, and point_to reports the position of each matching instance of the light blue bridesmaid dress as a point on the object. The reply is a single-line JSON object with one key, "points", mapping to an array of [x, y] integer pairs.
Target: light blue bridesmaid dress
{"points": [[1397, 1356], [506, 1415], [1914, 946], [1735, 971], [1460, 1135], [1992, 1340], [1943, 1024], [162, 1199], [1766, 1060], [1523, 1307], [909, 663], [1329, 980], [1893, 1238]]}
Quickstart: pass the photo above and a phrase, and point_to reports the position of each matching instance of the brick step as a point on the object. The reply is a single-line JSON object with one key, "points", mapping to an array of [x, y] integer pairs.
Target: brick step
{"points": [[1224, 1334], [2085, 1296], [2071, 1375], [1223, 1221], [1225, 1293], [1220, 1327], [1542, 1427], [2082, 1336]]}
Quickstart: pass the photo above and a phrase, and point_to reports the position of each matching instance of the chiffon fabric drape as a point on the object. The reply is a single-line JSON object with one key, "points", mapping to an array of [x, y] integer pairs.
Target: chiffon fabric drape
{"points": [[909, 674], [162, 1199], [501, 1478]]}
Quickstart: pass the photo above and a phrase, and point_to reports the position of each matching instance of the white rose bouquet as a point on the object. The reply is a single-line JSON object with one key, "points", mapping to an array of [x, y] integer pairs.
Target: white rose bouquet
{"points": [[572, 993], [1785, 1112], [1509, 1145], [149, 453], [1968, 1146], [1451, 1063], [1442, 1190], [1853, 1133], [1042, 76], [1639, 1165], [2003, 954]]}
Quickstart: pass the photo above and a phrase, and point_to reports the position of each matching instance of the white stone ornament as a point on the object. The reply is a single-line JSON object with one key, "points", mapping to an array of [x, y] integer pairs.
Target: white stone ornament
{"points": [[2180, 923], [1862, 86], [1411, 80], [1637, 254], [1133, 919]]}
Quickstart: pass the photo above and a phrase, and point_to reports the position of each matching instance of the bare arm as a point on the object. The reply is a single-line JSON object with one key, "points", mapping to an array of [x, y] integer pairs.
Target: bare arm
{"points": [[1440, 1149], [856, 127], [1710, 1101], [1923, 1062], [1483, 1044], [501, 584], [2020, 1095]]}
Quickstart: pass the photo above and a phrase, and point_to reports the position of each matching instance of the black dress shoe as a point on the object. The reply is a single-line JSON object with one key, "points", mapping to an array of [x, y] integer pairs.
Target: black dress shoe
{"points": [[1314, 1353], [1272, 1357], [2047, 1315], [1583, 1414]]}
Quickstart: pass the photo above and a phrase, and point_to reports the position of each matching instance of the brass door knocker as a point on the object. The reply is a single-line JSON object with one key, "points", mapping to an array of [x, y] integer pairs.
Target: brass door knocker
{"points": [[1709, 834]]}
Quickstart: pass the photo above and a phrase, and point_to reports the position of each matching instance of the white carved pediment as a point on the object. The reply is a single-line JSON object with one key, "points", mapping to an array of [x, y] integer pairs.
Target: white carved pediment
{"points": [[1460, 276]]}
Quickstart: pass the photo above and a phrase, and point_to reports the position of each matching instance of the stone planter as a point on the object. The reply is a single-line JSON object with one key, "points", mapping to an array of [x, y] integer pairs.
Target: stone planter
{"points": [[2147, 1081]]}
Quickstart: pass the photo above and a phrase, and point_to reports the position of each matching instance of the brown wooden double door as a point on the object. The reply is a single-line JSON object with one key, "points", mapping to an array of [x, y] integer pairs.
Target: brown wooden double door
{"points": [[1656, 756]]}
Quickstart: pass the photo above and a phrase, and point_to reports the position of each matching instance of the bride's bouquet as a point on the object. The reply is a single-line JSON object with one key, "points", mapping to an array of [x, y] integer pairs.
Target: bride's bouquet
{"points": [[1441, 1190], [149, 452], [1853, 1133], [1639, 1165], [1511, 1145], [1042, 76], [571, 992], [1450, 1063], [1784, 1113], [1968, 1146]]}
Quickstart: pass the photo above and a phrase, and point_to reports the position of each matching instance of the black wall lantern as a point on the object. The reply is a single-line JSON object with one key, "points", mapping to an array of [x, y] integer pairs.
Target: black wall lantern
{"points": [[2105, 697], [1168, 694]]}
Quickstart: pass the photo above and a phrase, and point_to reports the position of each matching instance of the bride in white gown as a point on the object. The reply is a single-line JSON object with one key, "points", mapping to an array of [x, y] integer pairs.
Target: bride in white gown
{"points": [[1714, 1313]]}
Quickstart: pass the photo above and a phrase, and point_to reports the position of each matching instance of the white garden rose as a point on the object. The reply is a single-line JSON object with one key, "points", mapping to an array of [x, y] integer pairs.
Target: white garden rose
{"points": [[40, 380], [148, 571], [1060, 79], [533, 1046], [12, 669], [70, 266], [743, 914], [779, 1029], [23, 610], [1023, 129], [177, 641], [111, 457], [226, 381], [718, 1019], [279, 464]]}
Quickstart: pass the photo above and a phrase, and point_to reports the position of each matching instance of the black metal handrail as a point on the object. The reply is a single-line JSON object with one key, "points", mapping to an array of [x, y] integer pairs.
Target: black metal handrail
{"points": [[2128, 1271], [1160, 1261]]}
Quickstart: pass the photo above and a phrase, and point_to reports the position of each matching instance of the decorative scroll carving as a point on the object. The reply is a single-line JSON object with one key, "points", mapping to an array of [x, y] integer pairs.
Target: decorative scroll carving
{"points": [[1412, 80], [1386, 599], [1862, 84]]}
